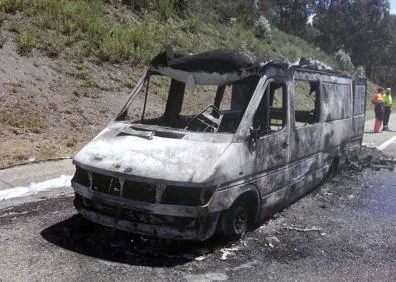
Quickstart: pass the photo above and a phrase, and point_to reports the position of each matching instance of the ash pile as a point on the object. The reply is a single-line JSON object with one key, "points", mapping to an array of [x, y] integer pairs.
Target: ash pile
{"points": [[370, 157]]}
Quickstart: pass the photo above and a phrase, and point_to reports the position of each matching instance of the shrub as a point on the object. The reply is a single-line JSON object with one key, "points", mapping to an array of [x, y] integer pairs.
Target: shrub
{"points": [[344, 61], [360, 72], [263, 28], [27, 121], [137, 5], [126, 42], [3, 15], [193, 24], [26, 41], [165, 9], [11, 6]]}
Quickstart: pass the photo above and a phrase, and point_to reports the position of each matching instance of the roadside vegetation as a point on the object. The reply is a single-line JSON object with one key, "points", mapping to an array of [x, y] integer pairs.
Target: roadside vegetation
{"points": [[117, 33]]}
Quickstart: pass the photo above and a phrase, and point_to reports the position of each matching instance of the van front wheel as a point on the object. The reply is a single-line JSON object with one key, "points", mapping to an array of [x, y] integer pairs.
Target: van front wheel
{"points": [[235, 220]]}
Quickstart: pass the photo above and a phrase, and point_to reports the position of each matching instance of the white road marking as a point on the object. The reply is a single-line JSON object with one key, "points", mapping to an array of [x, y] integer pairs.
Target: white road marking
{"points": [[387, 143], [207, 277], [62, 181]]}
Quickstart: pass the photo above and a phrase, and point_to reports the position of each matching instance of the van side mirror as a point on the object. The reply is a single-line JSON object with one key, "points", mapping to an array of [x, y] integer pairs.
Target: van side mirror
{"points": [[254, 133]]}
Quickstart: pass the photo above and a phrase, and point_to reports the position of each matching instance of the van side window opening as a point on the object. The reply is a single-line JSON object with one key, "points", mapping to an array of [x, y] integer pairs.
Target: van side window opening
{"points": [[306, 102], [271, 114]]}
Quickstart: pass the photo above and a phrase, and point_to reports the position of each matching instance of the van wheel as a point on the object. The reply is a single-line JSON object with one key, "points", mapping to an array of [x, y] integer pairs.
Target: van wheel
{"points": [[235, 220]]}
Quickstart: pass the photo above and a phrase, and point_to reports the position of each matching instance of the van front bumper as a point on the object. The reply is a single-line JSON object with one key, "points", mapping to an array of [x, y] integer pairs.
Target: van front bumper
{"points": [[159, 220]]}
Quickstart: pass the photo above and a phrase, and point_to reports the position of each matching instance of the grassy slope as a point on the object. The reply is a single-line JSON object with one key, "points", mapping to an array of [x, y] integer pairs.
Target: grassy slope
{"points": [[98, 51], [90, 28]]}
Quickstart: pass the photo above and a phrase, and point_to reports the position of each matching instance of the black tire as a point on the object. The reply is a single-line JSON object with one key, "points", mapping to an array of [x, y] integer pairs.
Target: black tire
{"points": [[235, 220]]}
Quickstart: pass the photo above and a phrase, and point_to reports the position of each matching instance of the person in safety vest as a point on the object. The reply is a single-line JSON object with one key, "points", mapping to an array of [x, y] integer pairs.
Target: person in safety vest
{"points": [[378, 102], [387, 108]]}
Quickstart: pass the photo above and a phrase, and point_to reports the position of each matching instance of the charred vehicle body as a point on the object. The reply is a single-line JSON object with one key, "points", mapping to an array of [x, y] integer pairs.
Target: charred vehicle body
{"points": [[266, 133]]}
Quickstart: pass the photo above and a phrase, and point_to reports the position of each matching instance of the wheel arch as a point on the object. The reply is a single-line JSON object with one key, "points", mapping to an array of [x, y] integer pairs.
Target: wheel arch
{"points": [[248, 192]]}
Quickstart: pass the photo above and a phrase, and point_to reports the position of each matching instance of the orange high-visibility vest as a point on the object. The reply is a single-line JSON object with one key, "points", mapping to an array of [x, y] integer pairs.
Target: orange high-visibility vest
{"points": [[377, 97]]}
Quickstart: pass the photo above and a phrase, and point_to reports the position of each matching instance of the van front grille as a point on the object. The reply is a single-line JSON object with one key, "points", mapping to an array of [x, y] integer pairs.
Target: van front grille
{"points": [[132, 190], [142, 192], [135, 216], [106, 184], [138, 191]]}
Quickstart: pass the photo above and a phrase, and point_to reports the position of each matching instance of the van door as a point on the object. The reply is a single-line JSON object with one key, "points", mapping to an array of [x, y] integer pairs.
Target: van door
{"points": [[270, 146], [306, 134]]}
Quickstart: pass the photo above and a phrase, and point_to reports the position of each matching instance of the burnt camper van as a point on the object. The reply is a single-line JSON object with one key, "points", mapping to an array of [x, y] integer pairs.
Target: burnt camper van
{"points": [[213, 142]]}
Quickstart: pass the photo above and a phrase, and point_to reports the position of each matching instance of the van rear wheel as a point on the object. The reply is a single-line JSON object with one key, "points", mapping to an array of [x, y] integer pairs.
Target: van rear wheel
{"points": [[235, 220]]}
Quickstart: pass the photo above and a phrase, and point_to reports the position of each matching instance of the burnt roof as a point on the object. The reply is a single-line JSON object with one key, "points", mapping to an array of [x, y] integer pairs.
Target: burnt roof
{"points": [[219, 61], [225, 62]]}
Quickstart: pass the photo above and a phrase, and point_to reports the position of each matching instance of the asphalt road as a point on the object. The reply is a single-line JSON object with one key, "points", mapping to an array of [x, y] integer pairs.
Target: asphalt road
{"points": [[344, 230]]}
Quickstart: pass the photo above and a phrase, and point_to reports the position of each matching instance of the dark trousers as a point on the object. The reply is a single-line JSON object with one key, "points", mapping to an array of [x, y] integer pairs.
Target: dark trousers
{"points": [[387, 112], [379, 111]]}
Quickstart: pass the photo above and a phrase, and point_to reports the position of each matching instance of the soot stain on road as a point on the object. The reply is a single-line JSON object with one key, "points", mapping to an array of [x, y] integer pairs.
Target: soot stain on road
{"points": [[79, 235], [10, 214]]}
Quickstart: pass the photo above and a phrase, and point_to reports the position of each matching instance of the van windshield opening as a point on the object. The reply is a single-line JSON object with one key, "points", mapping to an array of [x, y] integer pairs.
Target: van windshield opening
{"points": [[166, 102]]}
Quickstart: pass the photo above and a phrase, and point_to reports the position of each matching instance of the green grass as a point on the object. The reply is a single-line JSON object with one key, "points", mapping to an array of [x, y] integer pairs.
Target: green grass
{"points": [[86, 75], [3, 16], [26, 41], [92, 28]]}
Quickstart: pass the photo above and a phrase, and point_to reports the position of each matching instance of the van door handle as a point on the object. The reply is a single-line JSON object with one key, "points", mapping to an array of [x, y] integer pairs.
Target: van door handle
{"points": [[285, 145]]}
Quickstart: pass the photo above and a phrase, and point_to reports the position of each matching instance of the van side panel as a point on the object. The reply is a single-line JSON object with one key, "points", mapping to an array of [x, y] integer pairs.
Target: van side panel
{"points": [[337, 117]]}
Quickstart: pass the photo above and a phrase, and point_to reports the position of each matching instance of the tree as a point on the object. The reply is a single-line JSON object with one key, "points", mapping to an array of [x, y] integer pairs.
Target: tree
{"points": [[291, 15], [364, 29]]}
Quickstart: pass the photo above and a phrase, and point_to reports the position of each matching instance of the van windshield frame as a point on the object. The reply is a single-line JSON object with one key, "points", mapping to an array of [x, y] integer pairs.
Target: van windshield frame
{"points": [[163, 102]]}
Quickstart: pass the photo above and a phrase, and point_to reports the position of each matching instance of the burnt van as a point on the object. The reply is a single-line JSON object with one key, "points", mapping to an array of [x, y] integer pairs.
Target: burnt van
{"points": [[216, 141]]}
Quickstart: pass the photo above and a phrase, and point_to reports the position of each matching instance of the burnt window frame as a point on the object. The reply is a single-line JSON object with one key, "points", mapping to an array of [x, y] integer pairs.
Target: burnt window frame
{"points": [[316, 112], [284, 85], [144, 82]]}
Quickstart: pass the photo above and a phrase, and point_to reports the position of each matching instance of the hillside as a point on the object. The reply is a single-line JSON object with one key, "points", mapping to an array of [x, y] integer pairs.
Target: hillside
{"points": [[66, 66]]}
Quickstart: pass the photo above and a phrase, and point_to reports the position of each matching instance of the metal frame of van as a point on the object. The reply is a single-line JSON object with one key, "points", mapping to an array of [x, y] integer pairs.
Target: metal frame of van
{"points": [[250, 177]]}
